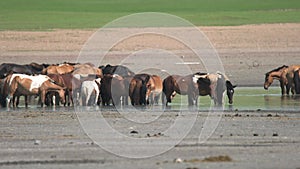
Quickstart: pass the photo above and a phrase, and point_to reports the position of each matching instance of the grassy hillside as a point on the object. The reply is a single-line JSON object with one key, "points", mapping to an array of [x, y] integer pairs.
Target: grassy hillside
{"points": [[50, 14]]}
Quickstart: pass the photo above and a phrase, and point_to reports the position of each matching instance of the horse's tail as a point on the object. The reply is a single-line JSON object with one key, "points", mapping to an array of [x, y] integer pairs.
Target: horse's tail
{"points": [[297, 81]]}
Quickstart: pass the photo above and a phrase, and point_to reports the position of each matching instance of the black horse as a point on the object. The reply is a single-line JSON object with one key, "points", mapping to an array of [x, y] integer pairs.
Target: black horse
{"points": [[118, 69], [297, 81], [29, 69]]}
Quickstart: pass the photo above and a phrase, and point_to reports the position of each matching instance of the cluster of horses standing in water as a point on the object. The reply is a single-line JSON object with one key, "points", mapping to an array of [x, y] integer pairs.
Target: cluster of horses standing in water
{"points": [[85, 84]]}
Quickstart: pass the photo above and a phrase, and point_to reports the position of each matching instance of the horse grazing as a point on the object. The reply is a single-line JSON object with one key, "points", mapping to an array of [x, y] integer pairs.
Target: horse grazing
{"points": [[118, 69], [278, 74], [88, 88], [297, 81], [22, 84], [58, 80], [219, 83], [198, 84]]}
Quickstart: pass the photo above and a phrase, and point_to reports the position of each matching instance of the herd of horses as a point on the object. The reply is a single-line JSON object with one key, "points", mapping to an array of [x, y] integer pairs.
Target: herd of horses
{"points": [[72, 84], [289, 79]]}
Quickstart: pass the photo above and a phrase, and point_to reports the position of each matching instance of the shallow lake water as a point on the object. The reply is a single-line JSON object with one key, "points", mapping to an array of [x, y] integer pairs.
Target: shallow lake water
{"points": [[245, 99]]}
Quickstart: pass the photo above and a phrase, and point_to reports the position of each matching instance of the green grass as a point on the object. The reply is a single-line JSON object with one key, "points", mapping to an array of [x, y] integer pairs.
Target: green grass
{"points": [[51, 14]]}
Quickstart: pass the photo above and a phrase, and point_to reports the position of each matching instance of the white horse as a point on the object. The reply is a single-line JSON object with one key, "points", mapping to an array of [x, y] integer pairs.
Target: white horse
{"points": [[87, 89]]}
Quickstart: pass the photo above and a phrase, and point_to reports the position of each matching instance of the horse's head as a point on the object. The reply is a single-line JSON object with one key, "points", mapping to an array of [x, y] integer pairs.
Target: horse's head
{"points": [[230, 91], [62, 95], [268, 81]]}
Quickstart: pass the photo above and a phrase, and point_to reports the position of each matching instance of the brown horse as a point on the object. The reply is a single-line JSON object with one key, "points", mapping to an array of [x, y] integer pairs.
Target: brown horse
{"points": [[138, 89], [32, 85], [58, 80], [86, 69], [289, 77], [58, 69], [154, 89], [278, 74], [114, 88]]}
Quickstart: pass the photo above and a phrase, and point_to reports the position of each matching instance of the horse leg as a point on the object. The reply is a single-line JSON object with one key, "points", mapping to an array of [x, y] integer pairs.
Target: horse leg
{"points": [[26, 101], [282, 88], [42, 97]]}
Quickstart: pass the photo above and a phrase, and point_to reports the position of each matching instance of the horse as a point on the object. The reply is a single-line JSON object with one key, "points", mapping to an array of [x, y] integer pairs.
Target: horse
{"points": [[88, 88], [118, 69], [198, 84], [29, 69], [58, 69], [86, 69], [57, 79], [138, 89], [32, 85], [154, 89], [219, 83], [289, 77], [297, 81], [279, 74], [114, 87], [183, 85]]}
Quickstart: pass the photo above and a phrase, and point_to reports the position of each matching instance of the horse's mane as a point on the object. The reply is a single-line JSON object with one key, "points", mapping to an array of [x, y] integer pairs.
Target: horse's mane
{"points": [[277, 69]]}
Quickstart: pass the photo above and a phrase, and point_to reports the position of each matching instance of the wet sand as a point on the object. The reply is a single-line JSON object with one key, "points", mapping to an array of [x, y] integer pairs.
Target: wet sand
{"points": [[42, 138]]}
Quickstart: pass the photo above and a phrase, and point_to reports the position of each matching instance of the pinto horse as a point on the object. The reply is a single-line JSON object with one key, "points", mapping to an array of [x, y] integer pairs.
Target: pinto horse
{"points": [[183, 85], [219, 83], [197, 84], [279, 74], [32, 85]]}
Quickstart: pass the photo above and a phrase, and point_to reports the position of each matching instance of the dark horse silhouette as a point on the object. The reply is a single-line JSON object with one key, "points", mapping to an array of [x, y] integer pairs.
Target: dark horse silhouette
{"points": [[118, 69], [29, 69], [138, 89], [297, 81]]}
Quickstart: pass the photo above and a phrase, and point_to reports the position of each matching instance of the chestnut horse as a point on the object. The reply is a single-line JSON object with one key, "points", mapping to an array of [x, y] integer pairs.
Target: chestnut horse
{"points": [[58, 69], [278, 74], [32, 85], [155, 87]]}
